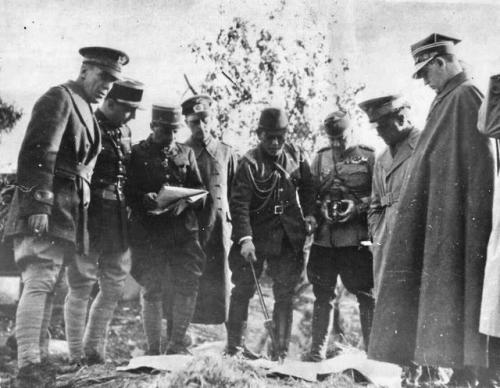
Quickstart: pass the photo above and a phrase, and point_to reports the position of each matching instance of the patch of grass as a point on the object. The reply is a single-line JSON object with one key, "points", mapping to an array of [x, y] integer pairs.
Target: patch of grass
{"points": [[215, 371]]}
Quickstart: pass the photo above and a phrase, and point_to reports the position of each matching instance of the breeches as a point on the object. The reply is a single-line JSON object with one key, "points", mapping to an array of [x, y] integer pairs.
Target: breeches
{"points": [[284, 269], [353, 264], [182, 265]]}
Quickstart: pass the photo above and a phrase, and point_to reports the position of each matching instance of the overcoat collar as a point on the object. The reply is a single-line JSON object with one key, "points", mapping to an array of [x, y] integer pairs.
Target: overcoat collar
{"points": [[198, 146], [452, 83], [83, 109], [405, 150]]}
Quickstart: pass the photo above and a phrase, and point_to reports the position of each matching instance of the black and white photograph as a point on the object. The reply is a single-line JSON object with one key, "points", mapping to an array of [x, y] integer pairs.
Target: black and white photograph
{"points": [[249, 193]]}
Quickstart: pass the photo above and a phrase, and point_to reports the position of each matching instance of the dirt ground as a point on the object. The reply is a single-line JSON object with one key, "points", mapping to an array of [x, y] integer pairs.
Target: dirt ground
{"points": [[126, 340]]}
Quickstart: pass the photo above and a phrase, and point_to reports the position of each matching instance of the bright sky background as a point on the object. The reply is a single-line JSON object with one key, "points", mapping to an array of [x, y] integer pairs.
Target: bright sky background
{"points": [[39, 43]]}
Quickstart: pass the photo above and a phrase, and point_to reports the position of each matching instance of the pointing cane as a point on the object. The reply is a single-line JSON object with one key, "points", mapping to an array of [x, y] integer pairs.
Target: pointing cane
{"points": [[268, 323]]}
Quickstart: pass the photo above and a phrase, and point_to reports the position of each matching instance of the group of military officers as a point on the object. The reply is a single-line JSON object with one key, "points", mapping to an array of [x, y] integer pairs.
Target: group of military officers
{"points": [[85, 200]]}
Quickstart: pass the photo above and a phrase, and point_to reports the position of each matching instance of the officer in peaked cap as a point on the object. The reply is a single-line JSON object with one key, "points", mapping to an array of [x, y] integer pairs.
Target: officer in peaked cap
{"points": [[217, 163], [272, 192], [107, 59], [165, 240], [336, 123], [450, 150], [109, 256], [425, 50], [48, 214], [343, 176]]}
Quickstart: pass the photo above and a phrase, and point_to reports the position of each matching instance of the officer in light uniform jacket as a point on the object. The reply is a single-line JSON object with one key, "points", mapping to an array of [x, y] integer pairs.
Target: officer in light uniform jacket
{"points": [[343, 178]]}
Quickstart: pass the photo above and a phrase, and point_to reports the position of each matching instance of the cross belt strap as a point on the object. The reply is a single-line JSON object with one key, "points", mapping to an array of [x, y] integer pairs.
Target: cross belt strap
{"points": [[389, 199]]}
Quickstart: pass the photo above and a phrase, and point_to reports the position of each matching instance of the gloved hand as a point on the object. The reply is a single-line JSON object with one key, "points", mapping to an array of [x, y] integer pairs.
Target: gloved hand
{"points": [[350, 212], [248, 251], [311, 224], [149, 201], [38, 224]]}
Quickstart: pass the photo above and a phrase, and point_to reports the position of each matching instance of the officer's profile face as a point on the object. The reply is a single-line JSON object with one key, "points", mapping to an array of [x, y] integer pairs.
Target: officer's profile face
{"points": [[338, 141], [392, 128], [96, 82], [272, 143], [433, 74], [163, 134], [199, 126], [120, 113]]}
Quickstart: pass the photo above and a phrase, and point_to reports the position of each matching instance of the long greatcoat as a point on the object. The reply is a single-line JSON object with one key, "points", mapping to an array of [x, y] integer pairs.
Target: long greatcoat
{"points": [[55, 166], [217, 164], [430, 293], [389, 174], [489, 124]]}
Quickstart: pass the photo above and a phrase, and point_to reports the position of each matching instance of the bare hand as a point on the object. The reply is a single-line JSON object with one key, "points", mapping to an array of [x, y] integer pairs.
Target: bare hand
{"points": [[350, 212], [325, 205], [311, 224], [248, 251], [149, 201], [38, 224]]}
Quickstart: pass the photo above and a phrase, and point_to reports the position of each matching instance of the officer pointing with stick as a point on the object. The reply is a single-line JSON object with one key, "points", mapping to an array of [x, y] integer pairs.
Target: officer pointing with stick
{"points": [[268, 225]]}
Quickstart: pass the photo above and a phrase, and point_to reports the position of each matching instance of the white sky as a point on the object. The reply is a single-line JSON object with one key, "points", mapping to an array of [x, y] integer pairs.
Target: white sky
{"points": [[39, 43]]}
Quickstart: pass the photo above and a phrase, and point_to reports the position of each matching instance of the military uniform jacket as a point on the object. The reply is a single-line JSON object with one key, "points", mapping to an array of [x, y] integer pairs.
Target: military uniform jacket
{"points": [[388, 176], [152, 166], [55, 165], [217, 163], [349, 178], [268, 217], [107, 211]]}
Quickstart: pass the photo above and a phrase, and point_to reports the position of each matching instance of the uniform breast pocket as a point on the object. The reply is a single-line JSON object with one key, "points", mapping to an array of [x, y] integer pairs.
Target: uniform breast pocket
{"points": [[356, 175]]}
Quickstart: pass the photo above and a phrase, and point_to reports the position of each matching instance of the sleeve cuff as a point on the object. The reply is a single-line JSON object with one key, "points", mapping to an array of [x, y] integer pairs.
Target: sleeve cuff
{"points": [[244, 238]]}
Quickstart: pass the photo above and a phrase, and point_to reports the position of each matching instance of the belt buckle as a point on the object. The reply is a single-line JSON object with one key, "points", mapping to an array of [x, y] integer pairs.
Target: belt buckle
{"points": [[278, 209]]}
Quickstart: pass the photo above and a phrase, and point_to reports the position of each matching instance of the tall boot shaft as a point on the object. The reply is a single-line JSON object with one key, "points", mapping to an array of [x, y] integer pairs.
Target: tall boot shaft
{"points": [[366, 307], [182, 313], [152, 312], [282, 319], [321, 326]]}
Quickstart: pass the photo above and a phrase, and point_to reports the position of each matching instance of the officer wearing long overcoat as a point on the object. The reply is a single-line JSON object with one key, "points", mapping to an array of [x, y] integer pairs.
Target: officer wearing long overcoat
{"points": [[272, 192], [108, 261], [165, 240], [48, 214], [217, 162], [390, 115], [343, 177]]}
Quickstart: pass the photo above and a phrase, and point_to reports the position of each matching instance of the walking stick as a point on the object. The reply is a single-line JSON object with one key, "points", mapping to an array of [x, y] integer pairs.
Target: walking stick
{"points": [[268, 323]]}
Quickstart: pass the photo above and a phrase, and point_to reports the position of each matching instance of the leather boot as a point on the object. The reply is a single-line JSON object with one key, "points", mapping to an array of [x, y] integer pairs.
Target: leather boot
{"points": [[182, 313], [282, 319], [366, 307], [321, 325], [236, 327], [151, 320]]}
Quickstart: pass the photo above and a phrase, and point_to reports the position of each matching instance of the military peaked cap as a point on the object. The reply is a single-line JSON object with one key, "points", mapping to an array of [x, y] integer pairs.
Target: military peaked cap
{"points": [[429, 48], [199, 104], [128, 92], [376, 108], [108, 59], [336, 123], [169, 116]]}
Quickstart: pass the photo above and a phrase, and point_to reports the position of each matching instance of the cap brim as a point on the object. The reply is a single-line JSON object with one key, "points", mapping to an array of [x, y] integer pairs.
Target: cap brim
{"points": [[419, 67], [136, 105], [112, 72]]}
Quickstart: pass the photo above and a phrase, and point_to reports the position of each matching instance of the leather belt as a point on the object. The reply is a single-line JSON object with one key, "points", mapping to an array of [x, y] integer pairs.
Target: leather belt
{"points": [[106, 193], [389, 199], [83, 171]]}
